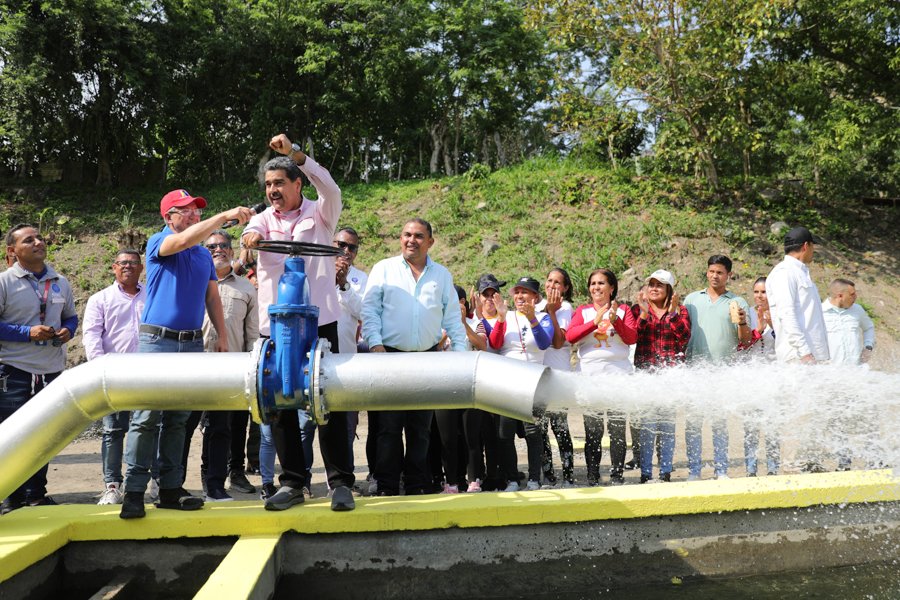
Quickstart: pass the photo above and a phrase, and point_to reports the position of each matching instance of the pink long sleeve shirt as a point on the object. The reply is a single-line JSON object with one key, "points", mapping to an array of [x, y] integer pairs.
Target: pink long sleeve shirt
{"points": [[315, 221]]}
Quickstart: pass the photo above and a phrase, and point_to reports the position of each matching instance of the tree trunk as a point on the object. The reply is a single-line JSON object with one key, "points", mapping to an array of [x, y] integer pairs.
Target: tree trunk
{"points": [[102, 111], [366, 161], [611, 151], [501, 152], [448, 162], [437, 140], [349, 167], [400, 168]]}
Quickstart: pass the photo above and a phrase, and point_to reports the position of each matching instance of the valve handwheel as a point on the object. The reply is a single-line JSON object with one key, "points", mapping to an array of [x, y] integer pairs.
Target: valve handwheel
{"points": [[295, 248]]}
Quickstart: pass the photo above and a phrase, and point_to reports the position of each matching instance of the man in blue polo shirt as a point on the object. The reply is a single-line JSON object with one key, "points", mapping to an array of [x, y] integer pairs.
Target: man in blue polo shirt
{"points": [[716, 331], [181, 286]]}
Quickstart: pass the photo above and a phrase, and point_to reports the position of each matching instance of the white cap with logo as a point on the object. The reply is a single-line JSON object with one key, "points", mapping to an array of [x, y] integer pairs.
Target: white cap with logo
{"points": [[663, 276]]}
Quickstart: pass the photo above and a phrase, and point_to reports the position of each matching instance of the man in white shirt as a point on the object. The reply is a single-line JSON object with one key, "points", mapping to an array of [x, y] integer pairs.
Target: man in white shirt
{"points": [[410, 301], [794, 303], [851, 333], [851, 339]]}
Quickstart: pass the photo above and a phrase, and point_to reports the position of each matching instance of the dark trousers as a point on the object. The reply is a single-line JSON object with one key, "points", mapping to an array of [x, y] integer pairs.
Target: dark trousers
{"points": [[392, 425], [334, 441], [372, 441], [448, 424], [216, 445], [16, 388], [240, 419], [507, 459], [481, 442], [558, 421], [593, 451]]}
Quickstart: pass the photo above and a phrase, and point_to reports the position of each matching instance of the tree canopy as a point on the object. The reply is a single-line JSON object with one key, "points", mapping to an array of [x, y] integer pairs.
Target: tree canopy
{"points": [[140, 91]]}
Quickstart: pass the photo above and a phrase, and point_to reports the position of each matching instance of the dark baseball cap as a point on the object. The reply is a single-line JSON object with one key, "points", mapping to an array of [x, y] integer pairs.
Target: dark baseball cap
{"points": [[799, 236], [529, 283], [487, 282]]}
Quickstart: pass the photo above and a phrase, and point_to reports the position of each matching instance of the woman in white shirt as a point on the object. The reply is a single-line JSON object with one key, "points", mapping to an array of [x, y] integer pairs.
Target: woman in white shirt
{"points": [[521, 334], [558, 287], [603, 332]]}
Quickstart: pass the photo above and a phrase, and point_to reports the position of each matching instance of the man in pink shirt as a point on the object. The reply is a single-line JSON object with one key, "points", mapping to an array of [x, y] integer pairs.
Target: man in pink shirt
{"points": [[291, 216], [111, 321]]}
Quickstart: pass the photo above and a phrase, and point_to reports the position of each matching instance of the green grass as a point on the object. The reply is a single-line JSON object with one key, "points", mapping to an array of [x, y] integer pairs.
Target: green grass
{"points": [[541, 213]]}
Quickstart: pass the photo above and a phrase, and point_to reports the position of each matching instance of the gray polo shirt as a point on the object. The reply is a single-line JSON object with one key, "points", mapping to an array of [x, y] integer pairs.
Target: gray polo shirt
{"points": [[20, 304]]}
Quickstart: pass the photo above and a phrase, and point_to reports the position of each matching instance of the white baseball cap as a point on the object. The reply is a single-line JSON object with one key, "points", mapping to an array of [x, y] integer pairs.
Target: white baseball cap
{"points": [[663, 276]]}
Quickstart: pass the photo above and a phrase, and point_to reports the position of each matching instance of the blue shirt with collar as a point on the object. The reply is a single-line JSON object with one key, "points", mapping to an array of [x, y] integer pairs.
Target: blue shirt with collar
{"points": [[177, 284]]}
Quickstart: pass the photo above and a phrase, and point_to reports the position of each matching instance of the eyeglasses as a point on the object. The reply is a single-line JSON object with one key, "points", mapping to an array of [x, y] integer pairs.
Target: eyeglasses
{"points": [[222, 245], [127, 263], [346, 246], [186, 212]]}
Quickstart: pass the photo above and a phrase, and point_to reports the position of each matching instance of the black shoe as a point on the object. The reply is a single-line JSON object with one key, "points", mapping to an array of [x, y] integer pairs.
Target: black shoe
{"points": [[386, 493], [218, 495], [645, 478], [267, 491], [665, 477], [632, 464], [616, 478], [178, 499], [43, 501], [284, 498], [132, 506], [550, 477], [751, 474], [11, 504], [342, 499], [252, 469], [238, 481]]}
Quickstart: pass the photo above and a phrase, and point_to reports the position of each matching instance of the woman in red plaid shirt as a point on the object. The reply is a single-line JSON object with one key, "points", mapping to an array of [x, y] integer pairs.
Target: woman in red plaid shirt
{"points": [[663, 328]]}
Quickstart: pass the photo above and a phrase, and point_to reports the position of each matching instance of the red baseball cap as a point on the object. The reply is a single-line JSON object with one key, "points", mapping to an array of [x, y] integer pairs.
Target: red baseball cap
{"points": [[177, 199]]}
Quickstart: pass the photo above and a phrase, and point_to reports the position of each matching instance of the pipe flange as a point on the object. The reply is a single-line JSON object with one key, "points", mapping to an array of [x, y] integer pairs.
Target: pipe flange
{"points": [[316, 392], [253, 382]]}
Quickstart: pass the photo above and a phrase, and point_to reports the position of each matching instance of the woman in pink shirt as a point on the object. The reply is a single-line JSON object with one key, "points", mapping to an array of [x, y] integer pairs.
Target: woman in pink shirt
{"points": [[602, 332]]}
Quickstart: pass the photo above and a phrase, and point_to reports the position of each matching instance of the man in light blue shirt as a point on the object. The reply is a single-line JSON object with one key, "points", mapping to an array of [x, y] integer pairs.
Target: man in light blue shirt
{"points": [[409, 302], [715, 335]]}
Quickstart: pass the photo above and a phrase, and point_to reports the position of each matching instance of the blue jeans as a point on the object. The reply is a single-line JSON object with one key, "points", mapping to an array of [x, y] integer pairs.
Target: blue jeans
{"points": [[16, 388], [266, 454], [693, 437], [660, 422], [115, 426], [141, 439], [751, 444]]}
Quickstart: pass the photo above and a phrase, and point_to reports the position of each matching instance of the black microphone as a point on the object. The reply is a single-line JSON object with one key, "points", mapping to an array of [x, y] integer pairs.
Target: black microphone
{"points": [[253, 209]]}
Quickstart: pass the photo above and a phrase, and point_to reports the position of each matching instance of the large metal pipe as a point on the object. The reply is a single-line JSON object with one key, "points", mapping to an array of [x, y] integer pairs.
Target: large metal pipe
{"points": [[38, 431]]}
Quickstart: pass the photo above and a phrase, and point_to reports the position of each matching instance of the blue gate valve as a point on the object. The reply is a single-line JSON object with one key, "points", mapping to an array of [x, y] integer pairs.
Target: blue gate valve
{"points": [[288, 374]]}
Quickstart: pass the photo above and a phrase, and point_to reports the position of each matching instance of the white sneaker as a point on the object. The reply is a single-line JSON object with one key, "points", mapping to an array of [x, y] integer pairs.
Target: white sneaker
{"points": [[512, 487], [722, 476], [532, 486], [474, 487], [154, 490], [693, 477], [112, 495]]}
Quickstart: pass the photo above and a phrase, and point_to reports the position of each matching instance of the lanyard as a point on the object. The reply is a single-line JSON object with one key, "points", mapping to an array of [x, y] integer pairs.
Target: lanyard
{"points": [[43, 299]]}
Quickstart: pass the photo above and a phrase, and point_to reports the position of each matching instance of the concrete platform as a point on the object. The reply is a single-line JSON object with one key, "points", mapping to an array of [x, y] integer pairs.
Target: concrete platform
{"points": [[239, 550]]}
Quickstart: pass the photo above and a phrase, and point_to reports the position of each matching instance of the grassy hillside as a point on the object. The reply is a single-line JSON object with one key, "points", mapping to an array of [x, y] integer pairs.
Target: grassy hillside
{"points": [[523, 220]]}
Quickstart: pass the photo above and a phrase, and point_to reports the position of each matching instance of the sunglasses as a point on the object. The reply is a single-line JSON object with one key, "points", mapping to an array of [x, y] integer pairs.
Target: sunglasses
{"points": [[221, 245], [127, 263], [347, 246]]}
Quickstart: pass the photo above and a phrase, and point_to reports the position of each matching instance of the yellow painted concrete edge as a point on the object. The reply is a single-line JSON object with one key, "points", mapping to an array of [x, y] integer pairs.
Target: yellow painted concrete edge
{"points": [[28, 535], [239, 573]]}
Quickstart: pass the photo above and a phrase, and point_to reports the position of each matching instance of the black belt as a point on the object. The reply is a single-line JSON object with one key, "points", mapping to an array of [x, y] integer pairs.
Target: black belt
{"points": [[187, 335]]}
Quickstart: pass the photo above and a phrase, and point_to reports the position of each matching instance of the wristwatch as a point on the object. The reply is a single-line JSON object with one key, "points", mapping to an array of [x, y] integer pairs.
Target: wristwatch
{"points": [[295, 147]]}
